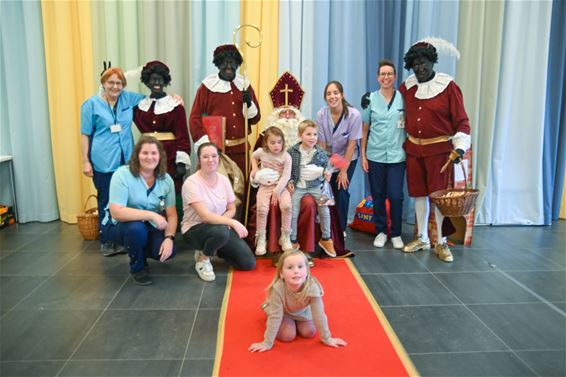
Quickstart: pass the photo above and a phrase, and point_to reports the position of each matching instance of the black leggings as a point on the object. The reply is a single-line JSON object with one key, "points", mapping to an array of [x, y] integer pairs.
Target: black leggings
{"points": [[223, 240]]}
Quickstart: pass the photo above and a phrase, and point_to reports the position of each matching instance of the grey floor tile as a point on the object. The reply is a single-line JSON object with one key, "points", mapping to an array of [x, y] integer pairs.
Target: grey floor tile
{"points": [[122, 368], [203, 339], [65, 228], [61, 242], [34, 264], [424, 329], [14, 288], [43, 334], [550, 285], [182, 264], [517, 260], [166, 292], [465, 260], [546, 363], [15, 241], [138, 334], [32, 227], [214, 293], [30, 368], [198, 368], [386, 262], [525, 326], [485, 287], [74, 292], [555, 254], [91, 262], [408, 289], [471, 364]]}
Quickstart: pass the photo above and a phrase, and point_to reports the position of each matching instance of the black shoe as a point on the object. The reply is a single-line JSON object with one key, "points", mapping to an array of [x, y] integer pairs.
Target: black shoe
{"points": [[119, 249], [107, 249], [141, 277]]}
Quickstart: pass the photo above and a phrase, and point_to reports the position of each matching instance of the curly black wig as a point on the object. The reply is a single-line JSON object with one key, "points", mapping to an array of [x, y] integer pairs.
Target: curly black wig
{"points": [[158, 68], [421, 49], [234, 54]]}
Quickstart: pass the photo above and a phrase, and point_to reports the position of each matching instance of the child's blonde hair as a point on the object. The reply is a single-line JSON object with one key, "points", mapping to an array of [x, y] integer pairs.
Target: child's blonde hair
{"points": [[306, 124], [279, 269], [272, 131]]}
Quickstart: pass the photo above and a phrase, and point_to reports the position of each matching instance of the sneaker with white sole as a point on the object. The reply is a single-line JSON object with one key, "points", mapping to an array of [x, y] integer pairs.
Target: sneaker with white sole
{"points": [[397, 242], [204, 270], [380, 240]]}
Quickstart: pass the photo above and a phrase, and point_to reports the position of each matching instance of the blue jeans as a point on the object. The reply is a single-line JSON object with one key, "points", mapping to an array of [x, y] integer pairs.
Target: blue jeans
{"points": [[323, 212], [386, 182], [342, 196], [141, 239]]}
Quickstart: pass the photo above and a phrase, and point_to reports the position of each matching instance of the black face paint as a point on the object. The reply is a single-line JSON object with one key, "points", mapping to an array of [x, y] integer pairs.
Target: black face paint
{"points": [[422, 67], [156, 84], [227, 69]]}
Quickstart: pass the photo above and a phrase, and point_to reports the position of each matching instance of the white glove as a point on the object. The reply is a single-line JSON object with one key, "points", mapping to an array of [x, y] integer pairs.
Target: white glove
{"points": [[267, 176], [311, 172]]}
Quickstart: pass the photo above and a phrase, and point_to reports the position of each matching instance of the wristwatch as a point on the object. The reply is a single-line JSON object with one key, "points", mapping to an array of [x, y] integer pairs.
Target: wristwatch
{"points": [[171, 237]]}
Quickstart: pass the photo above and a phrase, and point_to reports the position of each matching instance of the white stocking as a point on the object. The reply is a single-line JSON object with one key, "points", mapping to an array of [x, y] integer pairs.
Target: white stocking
{"points": [[439, 217], [422, 209]]}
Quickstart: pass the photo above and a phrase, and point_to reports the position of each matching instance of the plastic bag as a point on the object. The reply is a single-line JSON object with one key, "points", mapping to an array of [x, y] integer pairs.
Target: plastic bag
{"points": [[326, 197]]}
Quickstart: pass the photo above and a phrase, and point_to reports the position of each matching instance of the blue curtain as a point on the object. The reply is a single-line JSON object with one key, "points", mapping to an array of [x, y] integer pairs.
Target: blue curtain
{"points": [[554, 154], [385, 38], [24, 110]]}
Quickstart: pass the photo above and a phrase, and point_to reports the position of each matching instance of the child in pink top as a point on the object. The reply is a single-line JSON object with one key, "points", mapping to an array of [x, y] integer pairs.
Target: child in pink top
{"points": [[272, 178]]}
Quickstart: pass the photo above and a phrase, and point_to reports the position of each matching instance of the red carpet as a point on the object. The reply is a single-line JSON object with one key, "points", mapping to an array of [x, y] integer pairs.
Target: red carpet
{"points": [[353, 315]]}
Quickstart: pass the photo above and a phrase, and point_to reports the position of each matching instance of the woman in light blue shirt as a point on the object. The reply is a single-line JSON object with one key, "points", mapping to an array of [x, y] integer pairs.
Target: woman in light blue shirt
{"points": [[106, 137], [141, 214], [382, 155], [339, 131]]}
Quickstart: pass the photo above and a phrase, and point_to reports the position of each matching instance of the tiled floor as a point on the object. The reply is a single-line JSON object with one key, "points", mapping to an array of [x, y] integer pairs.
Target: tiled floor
{"points": [[499, 310]]}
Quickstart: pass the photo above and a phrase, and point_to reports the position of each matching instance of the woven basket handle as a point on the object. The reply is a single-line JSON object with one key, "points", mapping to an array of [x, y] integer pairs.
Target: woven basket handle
{"points": [[87, 199], [450, 172]]}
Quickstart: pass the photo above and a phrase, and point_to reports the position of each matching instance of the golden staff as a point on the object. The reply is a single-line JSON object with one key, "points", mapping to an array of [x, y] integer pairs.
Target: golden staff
{"points": [[243, 69]]}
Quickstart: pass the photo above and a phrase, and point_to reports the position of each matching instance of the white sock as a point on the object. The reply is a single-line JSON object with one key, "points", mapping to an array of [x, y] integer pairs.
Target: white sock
{"points": [[422, 209], [439, 217]]}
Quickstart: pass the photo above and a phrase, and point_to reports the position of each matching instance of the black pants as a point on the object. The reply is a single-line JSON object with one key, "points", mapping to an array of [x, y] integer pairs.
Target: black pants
{"points": [[222, 240]]}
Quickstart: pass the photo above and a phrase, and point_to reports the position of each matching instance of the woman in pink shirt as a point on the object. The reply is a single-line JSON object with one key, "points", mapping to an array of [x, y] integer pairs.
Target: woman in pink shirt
{"points": [[208, 210]]}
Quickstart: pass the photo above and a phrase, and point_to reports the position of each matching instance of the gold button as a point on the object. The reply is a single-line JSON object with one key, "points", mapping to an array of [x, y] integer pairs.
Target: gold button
{"points": [[418, 119], [420, 108], [419, 131], [232, 103], [231, 92], [233, 126], [234, 114], [154, 122]]}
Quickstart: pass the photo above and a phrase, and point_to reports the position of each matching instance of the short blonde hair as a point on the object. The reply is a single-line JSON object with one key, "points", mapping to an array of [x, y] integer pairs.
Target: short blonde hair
{"points": [[306, 124]]}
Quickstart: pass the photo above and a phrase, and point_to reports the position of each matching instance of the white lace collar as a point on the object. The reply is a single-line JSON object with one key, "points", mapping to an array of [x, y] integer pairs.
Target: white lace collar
{"points": [[162, 105], [430, 88], [215, 84]]}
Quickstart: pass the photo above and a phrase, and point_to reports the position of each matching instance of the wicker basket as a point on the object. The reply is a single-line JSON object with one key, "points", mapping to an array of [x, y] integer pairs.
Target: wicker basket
{"points": [[88, 222], [453, 202]]}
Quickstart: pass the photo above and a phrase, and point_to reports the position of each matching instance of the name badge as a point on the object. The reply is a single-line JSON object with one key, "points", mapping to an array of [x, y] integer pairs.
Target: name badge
{"points": [[401, 122], [115, 128]]}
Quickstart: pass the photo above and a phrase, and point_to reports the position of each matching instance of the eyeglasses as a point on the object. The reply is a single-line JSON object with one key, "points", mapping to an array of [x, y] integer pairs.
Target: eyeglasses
{"points": [[114, 83], [386, 74]]}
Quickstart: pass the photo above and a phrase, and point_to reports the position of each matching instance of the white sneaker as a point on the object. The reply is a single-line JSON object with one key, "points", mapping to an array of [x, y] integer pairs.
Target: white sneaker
{"points": [[204, 270], [380, 240], [397, 242]]}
